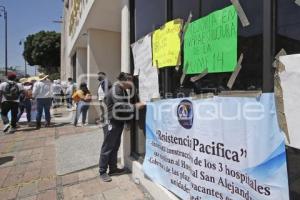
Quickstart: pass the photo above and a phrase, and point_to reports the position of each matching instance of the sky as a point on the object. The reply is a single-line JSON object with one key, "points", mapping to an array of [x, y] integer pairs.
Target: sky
{"points": [[26, 17]]}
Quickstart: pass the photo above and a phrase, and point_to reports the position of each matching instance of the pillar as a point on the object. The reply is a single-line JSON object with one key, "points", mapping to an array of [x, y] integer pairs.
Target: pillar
{"points": [[125, 32], [81, 65], [125, 67], [103, 54]]}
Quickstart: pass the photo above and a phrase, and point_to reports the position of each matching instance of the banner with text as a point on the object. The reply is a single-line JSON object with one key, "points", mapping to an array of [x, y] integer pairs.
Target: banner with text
{"points": [[148, 75], [217, 148], [211, 43], [166, 44]]}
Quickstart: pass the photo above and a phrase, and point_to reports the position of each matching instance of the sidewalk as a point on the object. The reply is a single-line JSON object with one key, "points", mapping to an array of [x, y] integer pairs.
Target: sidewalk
{"points": [[28, 170]]}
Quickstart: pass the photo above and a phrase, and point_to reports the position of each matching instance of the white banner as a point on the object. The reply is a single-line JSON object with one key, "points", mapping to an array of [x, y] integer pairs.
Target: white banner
{"points": [[148, 75], [290, 82], [227, 148]]}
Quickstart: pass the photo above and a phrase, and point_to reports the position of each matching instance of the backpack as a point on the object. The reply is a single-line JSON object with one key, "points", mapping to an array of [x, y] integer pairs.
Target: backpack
{"points": [[11, 91]]}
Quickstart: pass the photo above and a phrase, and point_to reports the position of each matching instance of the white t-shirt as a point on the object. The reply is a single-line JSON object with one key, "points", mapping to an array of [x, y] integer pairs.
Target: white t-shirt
{"points": [[56, 89], [101, 93], [3, 86], [69, 90], [42, 89]]}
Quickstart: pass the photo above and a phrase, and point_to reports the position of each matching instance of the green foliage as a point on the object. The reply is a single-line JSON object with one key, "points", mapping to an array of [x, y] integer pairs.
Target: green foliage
{"points": [[43, 49], [54, 76]]}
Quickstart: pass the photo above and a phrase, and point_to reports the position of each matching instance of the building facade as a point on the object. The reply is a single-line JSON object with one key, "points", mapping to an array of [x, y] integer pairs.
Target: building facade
{"points": [[97, 35], [91, 42]]}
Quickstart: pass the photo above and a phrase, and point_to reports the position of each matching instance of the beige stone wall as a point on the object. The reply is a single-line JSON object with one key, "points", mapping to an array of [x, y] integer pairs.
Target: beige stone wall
{"points": [[103, 54], [65, 58], [81, 65]]}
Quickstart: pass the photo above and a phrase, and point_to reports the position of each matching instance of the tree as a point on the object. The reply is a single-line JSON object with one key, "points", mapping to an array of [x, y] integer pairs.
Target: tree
{"points": [[43, 49]]}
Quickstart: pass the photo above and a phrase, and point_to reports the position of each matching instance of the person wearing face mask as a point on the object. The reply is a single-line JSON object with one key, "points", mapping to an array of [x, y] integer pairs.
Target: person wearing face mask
{"points": [[69, 93], [119, 112], [103, 88]]}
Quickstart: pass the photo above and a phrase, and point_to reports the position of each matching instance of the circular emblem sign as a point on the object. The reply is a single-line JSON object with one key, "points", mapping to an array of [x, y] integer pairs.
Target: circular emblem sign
{"points": [[185, 114]]}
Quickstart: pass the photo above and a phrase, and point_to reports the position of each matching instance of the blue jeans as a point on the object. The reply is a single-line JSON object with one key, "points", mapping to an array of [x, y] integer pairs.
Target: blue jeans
{"points": [[25, 105], [43, 104], [69, 102], [82, 107]]}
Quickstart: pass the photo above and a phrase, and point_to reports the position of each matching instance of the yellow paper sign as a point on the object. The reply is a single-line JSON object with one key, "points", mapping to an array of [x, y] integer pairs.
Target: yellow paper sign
{"points": [[166, 44]]}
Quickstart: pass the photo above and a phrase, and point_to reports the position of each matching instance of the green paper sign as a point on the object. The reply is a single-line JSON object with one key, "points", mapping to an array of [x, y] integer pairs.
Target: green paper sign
{"points": [[211, 43]]}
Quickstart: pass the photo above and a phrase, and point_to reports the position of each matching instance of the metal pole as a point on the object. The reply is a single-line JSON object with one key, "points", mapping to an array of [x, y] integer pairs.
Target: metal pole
{"points": [[25, 63], [167, 70], [5, 20], [25, 67], [6, 64], [269, 30]]}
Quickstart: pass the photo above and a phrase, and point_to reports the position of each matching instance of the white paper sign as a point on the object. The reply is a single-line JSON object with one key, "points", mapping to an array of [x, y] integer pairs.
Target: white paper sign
{"points": [[290, 82], [148, 76]]}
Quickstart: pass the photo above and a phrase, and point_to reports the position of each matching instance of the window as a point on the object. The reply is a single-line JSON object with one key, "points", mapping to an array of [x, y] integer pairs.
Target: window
{"points": [[208, 7], [288, 26], [182, 10], [254, 42], [73, 63], [288, 38], [250, 43], [149, 15]]}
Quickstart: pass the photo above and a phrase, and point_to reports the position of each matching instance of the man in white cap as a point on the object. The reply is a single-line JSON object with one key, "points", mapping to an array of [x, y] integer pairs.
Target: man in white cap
{"points": [[43, 93]]}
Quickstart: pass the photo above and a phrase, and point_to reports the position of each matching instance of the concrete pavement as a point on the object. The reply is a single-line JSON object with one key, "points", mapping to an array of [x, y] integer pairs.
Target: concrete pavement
{"points": [[28, 170]]}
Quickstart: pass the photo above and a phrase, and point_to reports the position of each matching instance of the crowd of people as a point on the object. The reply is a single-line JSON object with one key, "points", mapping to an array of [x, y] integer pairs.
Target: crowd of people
{"points": [[35, 96], [17, 96]]}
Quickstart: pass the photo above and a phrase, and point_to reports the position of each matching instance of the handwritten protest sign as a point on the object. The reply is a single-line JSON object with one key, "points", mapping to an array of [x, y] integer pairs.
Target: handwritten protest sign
{"points": [[166, 44], [211, 43], [148, 76]]}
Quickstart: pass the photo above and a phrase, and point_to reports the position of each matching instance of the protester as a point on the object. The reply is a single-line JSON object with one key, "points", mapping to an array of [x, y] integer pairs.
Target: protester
{"points": [[119, 111], [82, 97], [61, 95], [43, 93], [25, 100], [10, 92], [57, 92], [103, 88], [64, 86], [69, 93]]}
